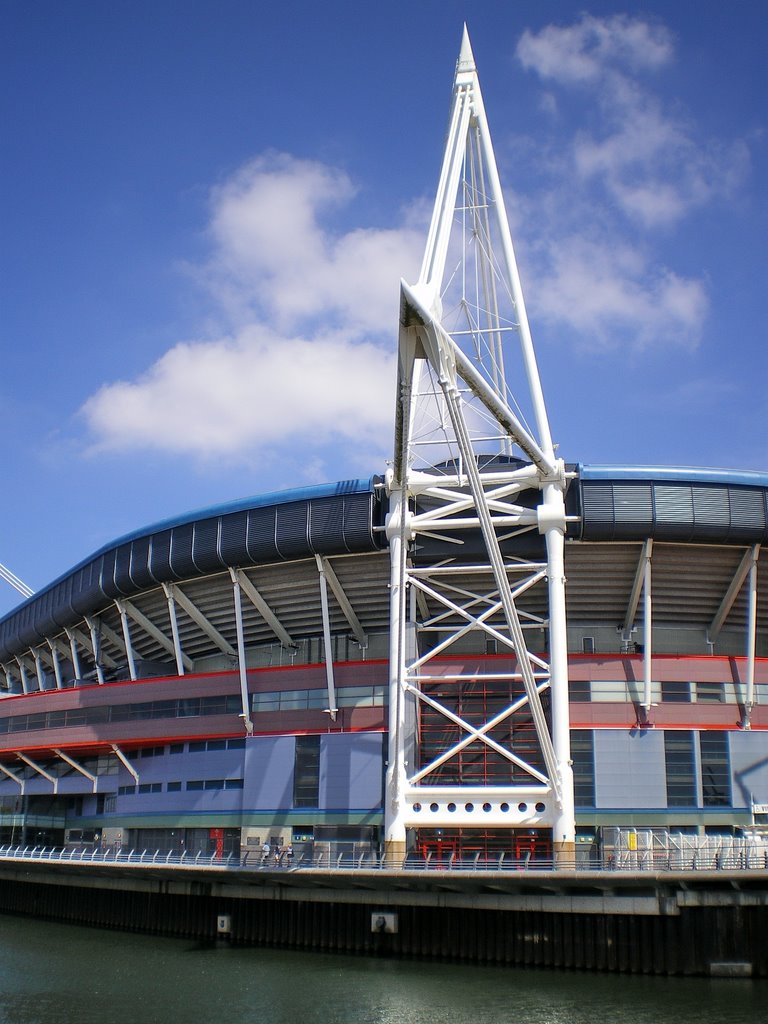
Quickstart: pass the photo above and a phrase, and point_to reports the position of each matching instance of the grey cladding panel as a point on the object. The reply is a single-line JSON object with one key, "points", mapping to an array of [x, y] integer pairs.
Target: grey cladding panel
{"points": [[326, 525], [160, 565], [123, 580], [107, 575], [232, 538], [674, 509], [86, 590], [292, 529], [205, 545], [621, 510], [748, 510], [597, 503], [182, 564], [260, 541], [140, 559], [359, 513]]}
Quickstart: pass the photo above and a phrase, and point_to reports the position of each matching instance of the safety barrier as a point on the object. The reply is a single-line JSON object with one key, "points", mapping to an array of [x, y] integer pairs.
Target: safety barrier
{"points": [[744, 859]]}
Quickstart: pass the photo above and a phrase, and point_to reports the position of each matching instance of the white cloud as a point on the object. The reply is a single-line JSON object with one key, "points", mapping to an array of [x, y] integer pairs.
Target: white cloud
{"points": [[611, 297], [308, 358], [582, 52], [258, 388], [273, 256], [629, 163], [647, 159]]}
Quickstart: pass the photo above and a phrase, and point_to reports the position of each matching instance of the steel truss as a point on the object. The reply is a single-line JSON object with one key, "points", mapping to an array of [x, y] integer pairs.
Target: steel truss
{"points": [[473, 488]]}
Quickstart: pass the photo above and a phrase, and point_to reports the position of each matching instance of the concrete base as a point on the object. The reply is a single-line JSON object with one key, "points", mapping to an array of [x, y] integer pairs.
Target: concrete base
{"points": [[394, 853], [564, 856]]}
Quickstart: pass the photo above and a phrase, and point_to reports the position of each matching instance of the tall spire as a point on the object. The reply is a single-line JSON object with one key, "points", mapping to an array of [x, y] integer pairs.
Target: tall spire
{"points": [[474, 485]]}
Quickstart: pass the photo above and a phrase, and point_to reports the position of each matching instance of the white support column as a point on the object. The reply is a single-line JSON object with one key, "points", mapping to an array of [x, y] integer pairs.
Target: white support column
{"points": [[23, 675], [241, 662], [327, 640], [127, 639], [552, 525], [96, 646], [751, 638], [39, 670], [169, 596], [647, 629], [73, 651], [157, 634], [56, 665], [396, 774]]}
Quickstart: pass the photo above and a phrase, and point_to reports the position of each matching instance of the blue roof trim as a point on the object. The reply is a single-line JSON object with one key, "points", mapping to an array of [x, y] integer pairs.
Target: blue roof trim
{"points": [[296, 494], [681, 474], [238, 505]]}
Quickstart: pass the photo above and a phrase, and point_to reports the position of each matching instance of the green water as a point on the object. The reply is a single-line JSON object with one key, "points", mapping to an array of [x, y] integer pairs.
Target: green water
{"points": [[56, 974]]}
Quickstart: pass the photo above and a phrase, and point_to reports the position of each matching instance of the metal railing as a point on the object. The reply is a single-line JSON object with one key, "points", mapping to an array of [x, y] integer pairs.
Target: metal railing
{"points": [[745, 859]]}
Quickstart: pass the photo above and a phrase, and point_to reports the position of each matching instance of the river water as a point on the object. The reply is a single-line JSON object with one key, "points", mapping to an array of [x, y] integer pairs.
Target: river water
{"points": [[57, 974]]}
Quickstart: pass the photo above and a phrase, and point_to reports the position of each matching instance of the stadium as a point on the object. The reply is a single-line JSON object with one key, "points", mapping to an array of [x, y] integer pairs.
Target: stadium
{"points": [[382, 665]]}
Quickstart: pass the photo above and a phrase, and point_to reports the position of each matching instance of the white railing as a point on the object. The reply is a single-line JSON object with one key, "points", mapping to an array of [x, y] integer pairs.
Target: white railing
{"points": [[738, 855]]}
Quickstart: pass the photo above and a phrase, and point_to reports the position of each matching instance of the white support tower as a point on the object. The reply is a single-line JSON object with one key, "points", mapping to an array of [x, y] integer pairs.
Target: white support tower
{"points": [[476, 530]]}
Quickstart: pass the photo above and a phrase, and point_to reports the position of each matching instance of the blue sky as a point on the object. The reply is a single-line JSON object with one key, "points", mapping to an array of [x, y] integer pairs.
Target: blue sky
{"points": [[205, 210]]}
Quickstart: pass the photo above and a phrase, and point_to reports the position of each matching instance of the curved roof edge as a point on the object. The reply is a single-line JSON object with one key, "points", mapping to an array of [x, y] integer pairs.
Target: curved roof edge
{"points": [[692, 474], [321, 518], [291, 494]]}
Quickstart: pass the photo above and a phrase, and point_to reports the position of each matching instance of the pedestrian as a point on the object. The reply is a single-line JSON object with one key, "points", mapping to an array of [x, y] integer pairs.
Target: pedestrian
{"points": [[265, 853]]}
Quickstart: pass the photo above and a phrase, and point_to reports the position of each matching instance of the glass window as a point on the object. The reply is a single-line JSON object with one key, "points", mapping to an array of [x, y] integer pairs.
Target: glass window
{"points": [[679, 761], [583, 757], [675, 692], [306, 772], [579, 691], [709, 693], [173, 787], [197, 785], [715, 769]]}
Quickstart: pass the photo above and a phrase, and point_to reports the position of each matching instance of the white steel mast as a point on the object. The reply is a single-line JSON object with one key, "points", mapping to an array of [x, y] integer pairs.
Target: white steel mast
{"points": [[473, 487]]}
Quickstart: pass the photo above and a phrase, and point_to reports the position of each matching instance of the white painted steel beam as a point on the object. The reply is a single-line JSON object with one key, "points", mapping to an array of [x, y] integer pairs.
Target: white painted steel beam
{"points": [[343, 601], [647, 627], [78, 767], [634, 595], [177, 651], [202, 621], [126, 638], [56, 664], [40, 770], [751, 638], [264, 610], [157, 634], [241, 656], [121, 757], [457, 425], [72, 636], [729, 598], [16, 778], [327, 640]]}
